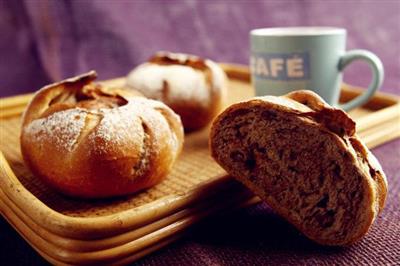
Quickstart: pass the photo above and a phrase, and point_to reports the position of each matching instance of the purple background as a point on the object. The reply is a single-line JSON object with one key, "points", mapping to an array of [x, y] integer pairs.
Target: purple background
{"points": [[43, 41]]}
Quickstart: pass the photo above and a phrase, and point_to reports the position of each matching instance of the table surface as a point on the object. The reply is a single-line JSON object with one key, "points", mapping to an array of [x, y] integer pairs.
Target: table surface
{"points": [[255, 236]]}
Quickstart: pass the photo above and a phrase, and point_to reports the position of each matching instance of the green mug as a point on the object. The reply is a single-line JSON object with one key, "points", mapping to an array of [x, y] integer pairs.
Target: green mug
{"points": [[313, 58]]}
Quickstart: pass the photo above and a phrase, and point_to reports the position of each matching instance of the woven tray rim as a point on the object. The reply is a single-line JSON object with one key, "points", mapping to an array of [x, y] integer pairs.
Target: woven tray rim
{"points": [[108, 225]]}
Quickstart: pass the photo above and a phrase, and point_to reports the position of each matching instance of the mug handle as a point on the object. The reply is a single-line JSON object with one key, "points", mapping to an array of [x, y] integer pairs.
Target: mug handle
{"points": [[377, 75]]}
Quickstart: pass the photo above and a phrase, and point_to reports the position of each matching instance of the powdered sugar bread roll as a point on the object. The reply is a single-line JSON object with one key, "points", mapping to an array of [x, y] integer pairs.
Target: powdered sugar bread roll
{"points": [[85, 140], [193, 87], [304, 159]]}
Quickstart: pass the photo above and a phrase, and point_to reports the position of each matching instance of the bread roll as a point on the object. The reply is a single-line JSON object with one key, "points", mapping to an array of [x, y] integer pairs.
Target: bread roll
{"points": [[87, 141], [193, 87], [303, 158]]}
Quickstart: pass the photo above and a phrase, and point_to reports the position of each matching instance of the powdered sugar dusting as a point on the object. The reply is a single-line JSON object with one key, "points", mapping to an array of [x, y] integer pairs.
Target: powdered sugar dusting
{"points": [[111, 132], [184, 82], [117, 127], [62, 127], [218, 78]]}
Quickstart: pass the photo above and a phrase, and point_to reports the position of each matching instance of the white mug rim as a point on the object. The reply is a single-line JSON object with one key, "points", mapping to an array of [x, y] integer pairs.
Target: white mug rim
{"points": [[297, 31]]}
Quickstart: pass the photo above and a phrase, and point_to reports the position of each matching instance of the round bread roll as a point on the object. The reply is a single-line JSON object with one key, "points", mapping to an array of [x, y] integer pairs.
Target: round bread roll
{"points": [[193, 87], [90, 142]]}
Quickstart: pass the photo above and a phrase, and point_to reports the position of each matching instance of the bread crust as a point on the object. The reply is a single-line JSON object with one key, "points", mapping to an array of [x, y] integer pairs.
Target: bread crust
{"points": [[88, 141], [315, 114], [193, 87]]}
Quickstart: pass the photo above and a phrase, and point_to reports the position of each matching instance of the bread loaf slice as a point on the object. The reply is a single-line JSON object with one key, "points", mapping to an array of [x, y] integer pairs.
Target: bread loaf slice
{"points": [[303, 158]]}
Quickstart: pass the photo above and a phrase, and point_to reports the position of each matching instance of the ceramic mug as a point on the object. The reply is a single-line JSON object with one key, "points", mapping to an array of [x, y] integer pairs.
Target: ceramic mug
{"points": [[313, 58]]}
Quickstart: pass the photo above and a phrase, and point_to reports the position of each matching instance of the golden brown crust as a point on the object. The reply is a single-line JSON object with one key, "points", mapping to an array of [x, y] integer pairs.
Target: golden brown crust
{"points": [[88, 141], [344, 196], [193, 87]]}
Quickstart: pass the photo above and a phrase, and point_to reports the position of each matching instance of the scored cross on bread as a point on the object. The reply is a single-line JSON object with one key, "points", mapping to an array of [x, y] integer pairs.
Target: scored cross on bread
{"points": [[304, 159], [192, 86], [89, 141]]}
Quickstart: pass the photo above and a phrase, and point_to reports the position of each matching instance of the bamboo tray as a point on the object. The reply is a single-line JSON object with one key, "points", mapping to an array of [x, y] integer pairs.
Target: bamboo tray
{"points": [[68, 231]]}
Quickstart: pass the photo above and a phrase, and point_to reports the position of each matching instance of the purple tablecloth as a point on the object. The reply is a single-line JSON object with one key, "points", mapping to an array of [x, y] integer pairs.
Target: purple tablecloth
{"points": [[43, 41]]}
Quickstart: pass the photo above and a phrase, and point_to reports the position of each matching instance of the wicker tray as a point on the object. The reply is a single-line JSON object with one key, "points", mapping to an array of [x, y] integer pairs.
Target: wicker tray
{"points": [[120, 248], [69, 231]]}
